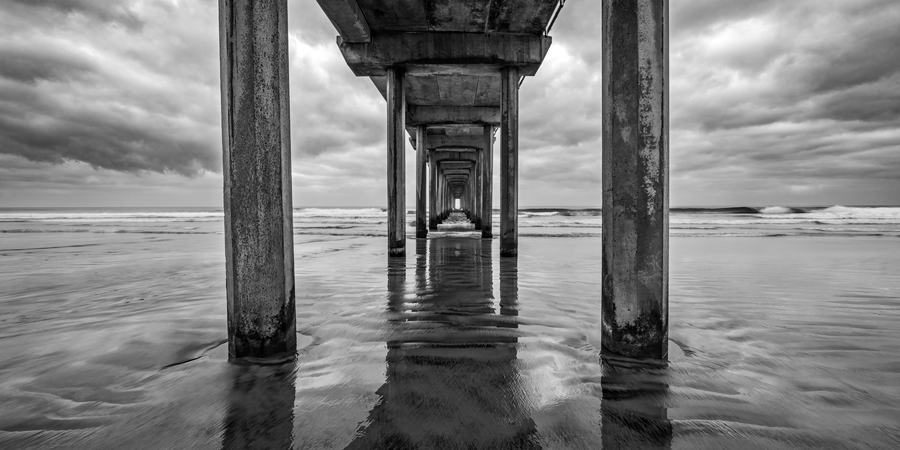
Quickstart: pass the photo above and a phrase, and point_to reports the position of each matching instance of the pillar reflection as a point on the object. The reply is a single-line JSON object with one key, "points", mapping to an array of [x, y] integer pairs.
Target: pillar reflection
{"points": [[452, 377], [633, 406], [260, 407]]}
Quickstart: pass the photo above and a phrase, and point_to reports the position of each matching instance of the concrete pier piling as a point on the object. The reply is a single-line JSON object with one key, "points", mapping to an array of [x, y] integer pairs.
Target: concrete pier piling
{"points": [[396, 163], [421, 183], [635, 177], [477, 190], [256, 147], [487, 187], [509, 161], [432, 191]]}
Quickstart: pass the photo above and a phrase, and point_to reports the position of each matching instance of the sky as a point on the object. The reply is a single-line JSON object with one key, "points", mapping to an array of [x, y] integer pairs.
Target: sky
{"points": [[773, 102]]}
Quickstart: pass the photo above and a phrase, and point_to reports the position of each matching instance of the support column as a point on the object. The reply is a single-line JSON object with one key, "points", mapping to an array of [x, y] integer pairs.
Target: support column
{"points": [[256, 147], [635, 178], [396, 163], [476, 191], [487, 187], [421, 185], [432, 197], [473, 200], [445, 198], [441, 195], [509, 161], [469, 200]]}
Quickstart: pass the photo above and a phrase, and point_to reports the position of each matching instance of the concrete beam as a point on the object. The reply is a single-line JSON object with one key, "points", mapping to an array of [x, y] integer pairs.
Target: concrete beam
{"points": [[467, 142], [256, 148], [457, 164], [448, 132], [348, 19], [456, 130], [452, 115], [440, 156], [429, 53], [635, 277]]}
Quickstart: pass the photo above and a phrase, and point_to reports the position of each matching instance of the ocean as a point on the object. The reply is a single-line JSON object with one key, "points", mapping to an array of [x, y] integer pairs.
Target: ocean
{"points": [[784, 333]]}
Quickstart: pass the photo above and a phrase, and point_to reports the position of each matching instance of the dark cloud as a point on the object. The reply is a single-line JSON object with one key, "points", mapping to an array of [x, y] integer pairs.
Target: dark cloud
{"points": [[24, 64], [791, 94], [118, 12], [770, 98], [123, 87]]}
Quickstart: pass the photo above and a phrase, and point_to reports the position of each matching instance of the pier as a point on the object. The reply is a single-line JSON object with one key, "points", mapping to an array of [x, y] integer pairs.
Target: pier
{"points": [[450, 72]]}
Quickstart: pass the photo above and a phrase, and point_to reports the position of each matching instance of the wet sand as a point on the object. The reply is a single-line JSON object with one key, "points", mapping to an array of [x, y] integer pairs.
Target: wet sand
{"points": [[115, 341]]}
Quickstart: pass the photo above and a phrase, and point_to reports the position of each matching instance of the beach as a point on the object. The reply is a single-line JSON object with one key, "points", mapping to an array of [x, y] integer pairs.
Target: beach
{"points": [[784, 327]]}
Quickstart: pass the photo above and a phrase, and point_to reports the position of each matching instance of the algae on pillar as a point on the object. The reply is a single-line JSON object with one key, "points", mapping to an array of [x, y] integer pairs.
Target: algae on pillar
{"points": [[256, 147], [396, 167], [509, 161], [635, 178]]}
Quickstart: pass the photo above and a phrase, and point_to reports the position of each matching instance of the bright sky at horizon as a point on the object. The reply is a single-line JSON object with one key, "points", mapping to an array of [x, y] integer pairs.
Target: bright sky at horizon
{"points": [[772, 103]]}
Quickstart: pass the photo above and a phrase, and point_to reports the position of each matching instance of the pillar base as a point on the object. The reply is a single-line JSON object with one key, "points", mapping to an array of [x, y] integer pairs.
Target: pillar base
{"points": [[509, 252], [397, 251], [486, 233], [642, 340], [282, 343]]}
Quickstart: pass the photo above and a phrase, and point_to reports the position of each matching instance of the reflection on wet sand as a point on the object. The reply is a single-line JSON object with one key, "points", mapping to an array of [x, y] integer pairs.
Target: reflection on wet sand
{"points": [[260, 407], [456, 373], [452, 377], [633, 406]]}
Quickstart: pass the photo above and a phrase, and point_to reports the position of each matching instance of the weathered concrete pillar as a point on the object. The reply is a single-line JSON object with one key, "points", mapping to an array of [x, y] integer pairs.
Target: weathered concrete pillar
{"points": [[432, 194], [476, 188], [487, 186], [464, 202], [256, 147], [421, 183], [446, 199], [470, 197], [469, 200], [635, 177], [441, 198], [509, 161], [396, 163]]}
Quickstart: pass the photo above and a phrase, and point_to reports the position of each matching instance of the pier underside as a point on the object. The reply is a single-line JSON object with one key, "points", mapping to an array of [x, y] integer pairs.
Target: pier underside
{"points": [[450, 72]]}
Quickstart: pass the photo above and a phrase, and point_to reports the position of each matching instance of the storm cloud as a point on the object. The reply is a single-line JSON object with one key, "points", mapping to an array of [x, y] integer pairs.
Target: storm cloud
{"points": [[773, 102]]}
